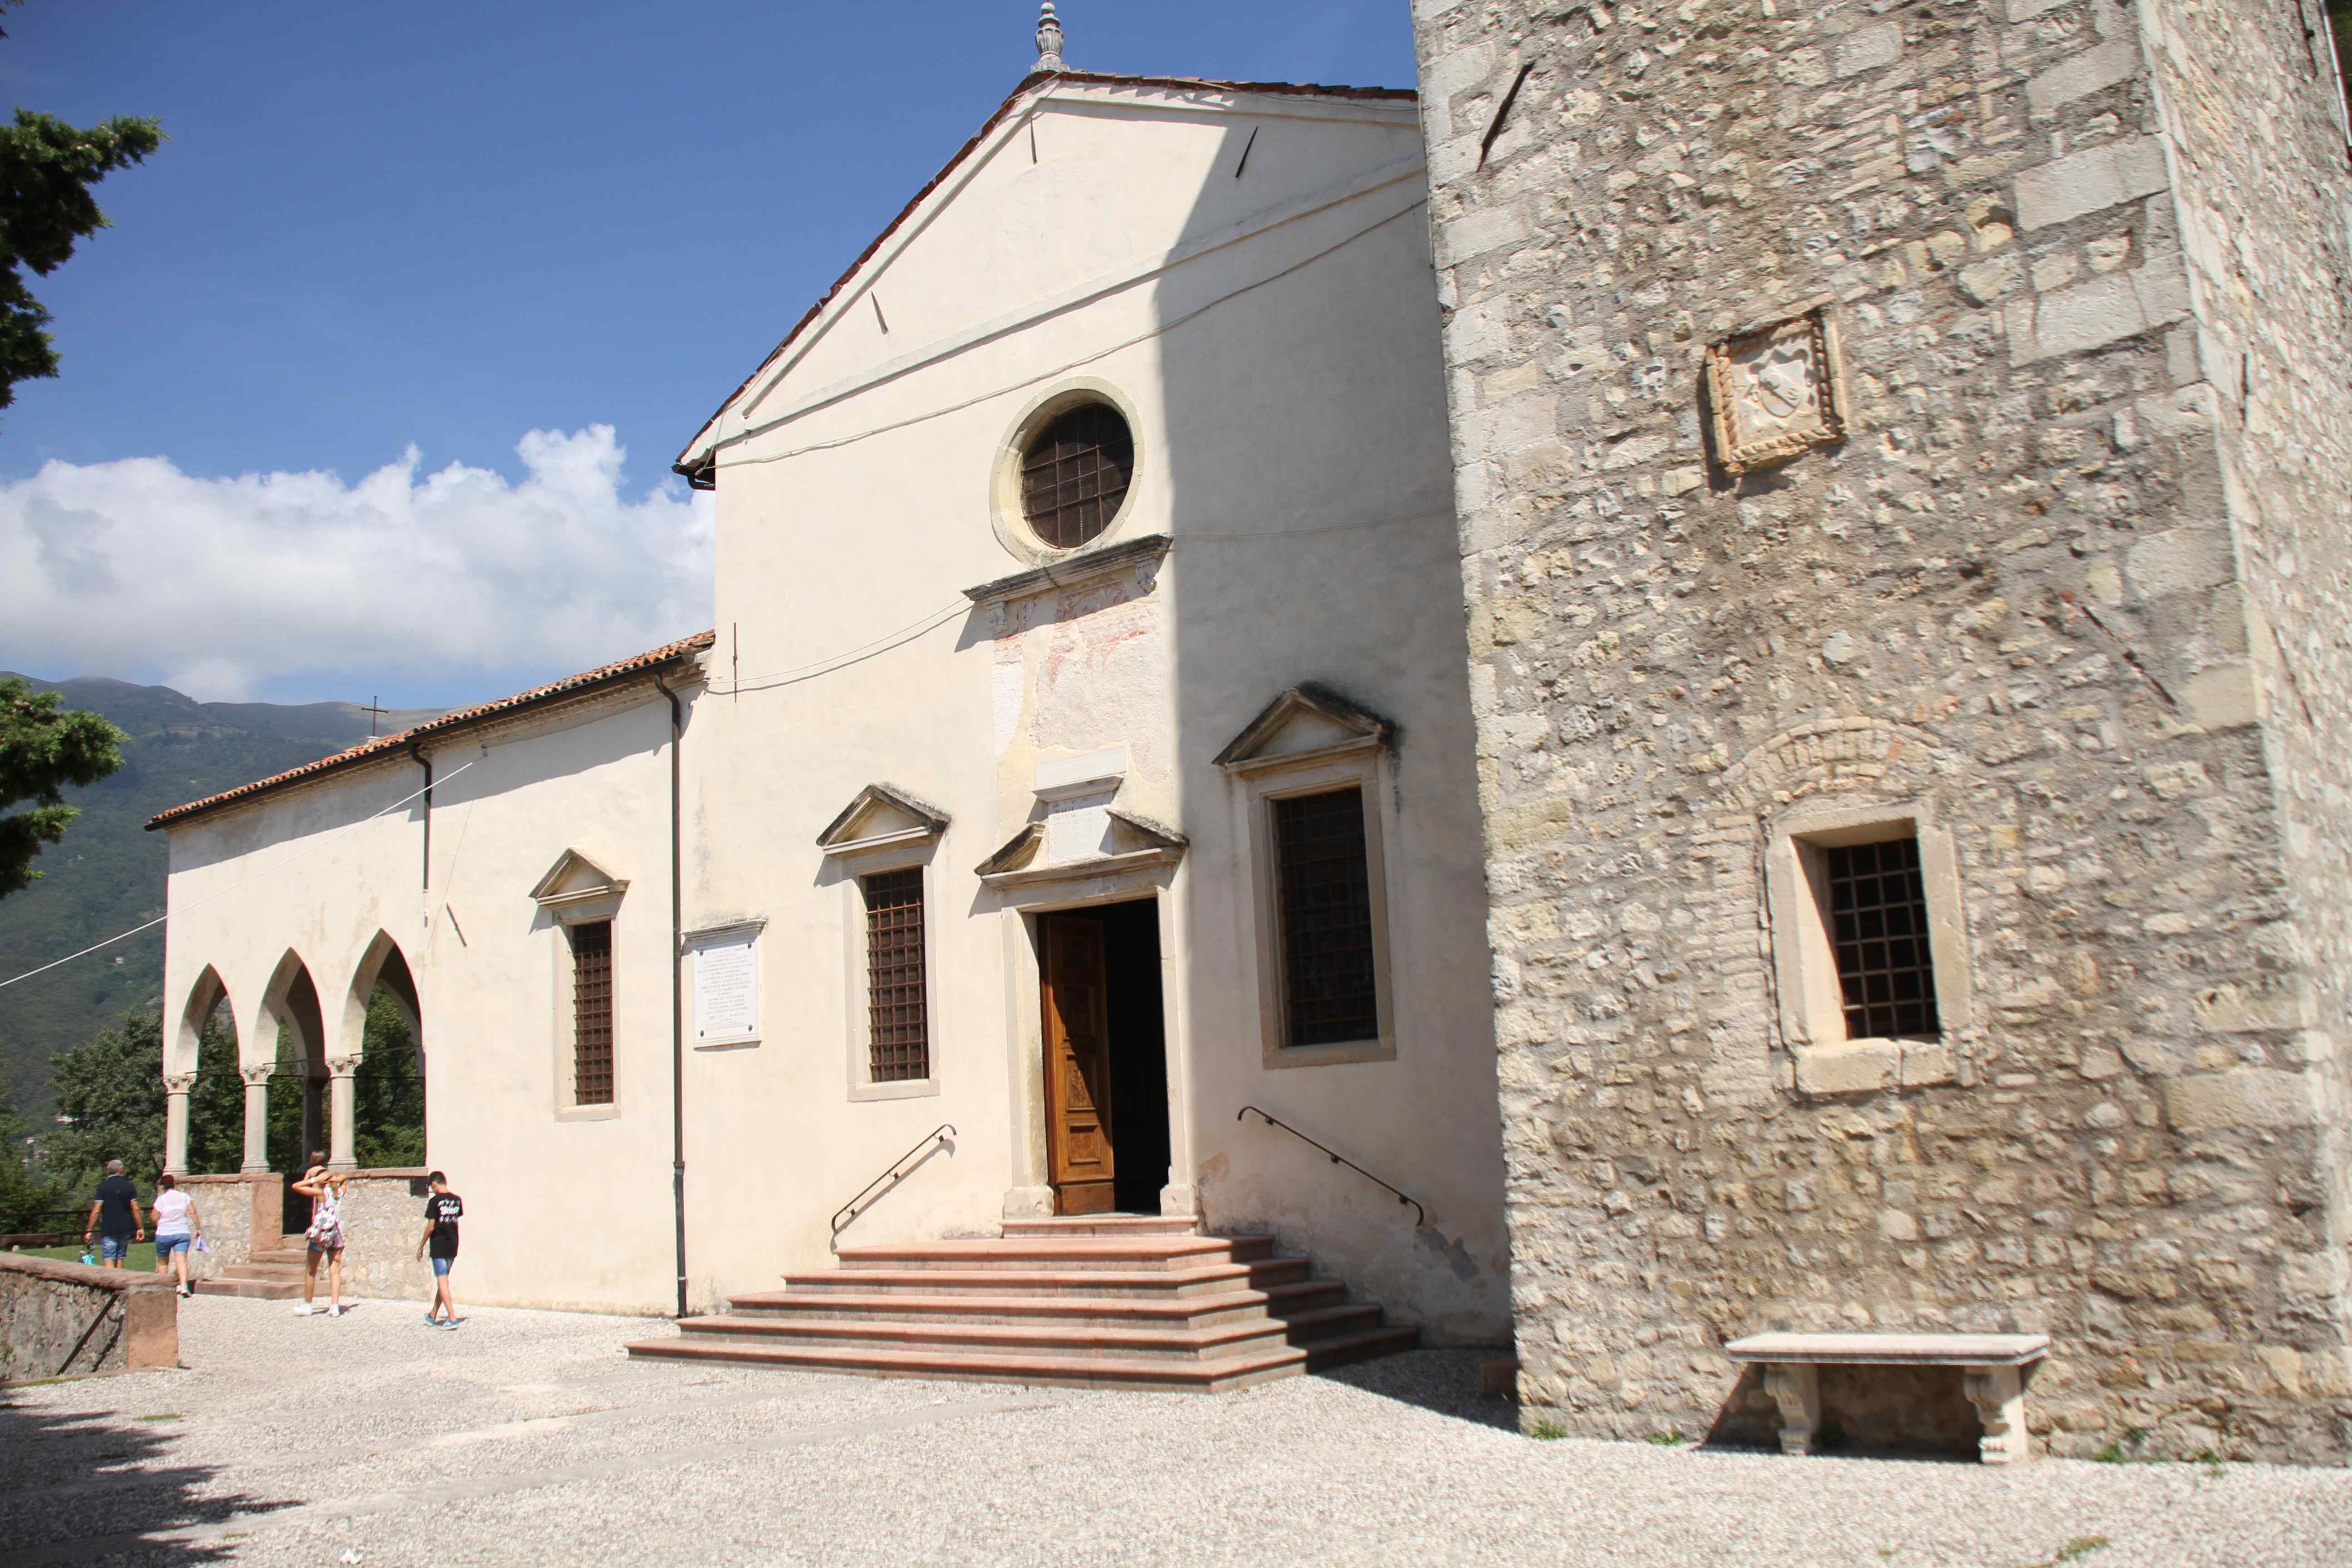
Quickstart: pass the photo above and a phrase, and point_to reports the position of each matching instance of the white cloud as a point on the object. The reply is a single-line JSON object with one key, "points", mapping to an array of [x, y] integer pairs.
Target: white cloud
{"points": [[218, 584]]}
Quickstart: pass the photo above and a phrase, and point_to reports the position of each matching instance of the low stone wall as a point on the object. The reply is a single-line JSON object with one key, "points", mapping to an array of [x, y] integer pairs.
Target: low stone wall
{"points": [[384, 1213], [61, 1319], [233, 1211]]}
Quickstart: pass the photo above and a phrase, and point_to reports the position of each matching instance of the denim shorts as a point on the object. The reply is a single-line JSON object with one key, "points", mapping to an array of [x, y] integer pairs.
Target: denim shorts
{"points": [[113, 1249], [329, 1244], [441, 1266], [167, 1245]]}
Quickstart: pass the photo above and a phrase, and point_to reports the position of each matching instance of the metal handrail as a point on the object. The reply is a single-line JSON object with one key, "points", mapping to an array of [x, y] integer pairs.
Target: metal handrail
{"points": [[1337, 1159], [846, 1215]]}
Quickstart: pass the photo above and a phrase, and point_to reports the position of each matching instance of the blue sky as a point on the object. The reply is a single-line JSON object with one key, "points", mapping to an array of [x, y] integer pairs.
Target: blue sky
{"points": [[446, 227]]}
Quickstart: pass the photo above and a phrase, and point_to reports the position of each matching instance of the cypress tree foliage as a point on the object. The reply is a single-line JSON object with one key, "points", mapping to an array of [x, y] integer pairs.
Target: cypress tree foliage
{"points": [[46, 168]]}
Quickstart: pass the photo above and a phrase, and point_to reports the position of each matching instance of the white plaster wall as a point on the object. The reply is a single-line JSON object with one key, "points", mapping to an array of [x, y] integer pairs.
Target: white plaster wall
{"points": [[559, 1211], [1287, 383]]}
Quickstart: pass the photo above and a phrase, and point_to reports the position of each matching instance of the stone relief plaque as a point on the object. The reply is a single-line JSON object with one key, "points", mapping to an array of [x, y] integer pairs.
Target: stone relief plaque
{"points": [[1777, 392]]}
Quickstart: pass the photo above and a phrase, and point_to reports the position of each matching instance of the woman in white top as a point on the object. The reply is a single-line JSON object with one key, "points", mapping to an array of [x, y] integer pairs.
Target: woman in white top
{"points": [[177, 1225]]}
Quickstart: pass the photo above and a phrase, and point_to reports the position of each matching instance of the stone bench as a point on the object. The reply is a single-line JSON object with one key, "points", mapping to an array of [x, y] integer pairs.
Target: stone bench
{"points": [[1993, 1365]]}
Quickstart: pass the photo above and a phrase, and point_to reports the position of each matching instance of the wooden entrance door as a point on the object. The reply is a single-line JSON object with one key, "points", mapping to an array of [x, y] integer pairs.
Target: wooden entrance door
{"points": [[1077, 1064]]}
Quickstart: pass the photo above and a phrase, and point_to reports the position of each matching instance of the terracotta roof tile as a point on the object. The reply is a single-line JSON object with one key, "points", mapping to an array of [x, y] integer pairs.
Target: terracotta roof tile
{"points": [[667, 653], [1096, 78]]}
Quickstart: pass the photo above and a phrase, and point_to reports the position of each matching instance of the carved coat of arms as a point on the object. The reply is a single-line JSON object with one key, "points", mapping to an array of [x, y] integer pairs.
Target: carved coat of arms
{"points": [[1777, 392]]}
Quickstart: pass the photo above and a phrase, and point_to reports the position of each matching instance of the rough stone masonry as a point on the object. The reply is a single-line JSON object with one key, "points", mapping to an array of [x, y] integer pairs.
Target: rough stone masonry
{"points": [[2063, 597]]}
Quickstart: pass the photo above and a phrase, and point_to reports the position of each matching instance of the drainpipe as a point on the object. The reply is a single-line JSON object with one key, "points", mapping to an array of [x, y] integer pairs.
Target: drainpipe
{"points": [[424, 872], [677, 998]]}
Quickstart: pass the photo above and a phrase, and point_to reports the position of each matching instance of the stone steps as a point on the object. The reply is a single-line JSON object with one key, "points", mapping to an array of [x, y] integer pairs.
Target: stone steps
{"points": [[1097, 1301], [271, 1274]]}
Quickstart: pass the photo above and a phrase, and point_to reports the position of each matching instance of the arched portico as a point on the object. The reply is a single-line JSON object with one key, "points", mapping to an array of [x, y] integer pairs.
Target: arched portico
{"points": [[292, 1016], [179, 1064], [389, 1083]]}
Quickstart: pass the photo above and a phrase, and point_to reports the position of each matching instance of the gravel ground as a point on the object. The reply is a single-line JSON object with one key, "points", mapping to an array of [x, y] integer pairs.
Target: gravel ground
{"points": [[526, 1437]]}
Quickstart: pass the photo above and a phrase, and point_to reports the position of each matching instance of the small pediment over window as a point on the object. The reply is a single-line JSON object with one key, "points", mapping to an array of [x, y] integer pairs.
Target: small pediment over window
{"points": [[575, 881], [882, 815], [1305, 723]]}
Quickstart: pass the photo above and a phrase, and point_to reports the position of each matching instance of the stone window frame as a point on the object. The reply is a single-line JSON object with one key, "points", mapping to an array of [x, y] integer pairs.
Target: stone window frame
{"points": [[577, 891], [1362, 764], [1006, 516], [1804, 964], [912, 852]]}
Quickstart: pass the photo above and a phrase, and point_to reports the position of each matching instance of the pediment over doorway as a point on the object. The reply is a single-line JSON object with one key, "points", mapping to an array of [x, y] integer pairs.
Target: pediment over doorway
{"points": [[575, 881], [881, 814], [1306, 723]]}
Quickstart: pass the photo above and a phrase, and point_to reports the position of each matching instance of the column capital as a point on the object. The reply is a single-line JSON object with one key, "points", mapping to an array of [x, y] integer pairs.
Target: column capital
{"points": [[343, 1067], [179, 1082], [258, 1074]]}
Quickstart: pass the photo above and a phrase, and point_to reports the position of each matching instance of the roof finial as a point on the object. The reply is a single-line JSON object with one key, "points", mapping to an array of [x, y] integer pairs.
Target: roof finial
{"points": [[1049, 39]]}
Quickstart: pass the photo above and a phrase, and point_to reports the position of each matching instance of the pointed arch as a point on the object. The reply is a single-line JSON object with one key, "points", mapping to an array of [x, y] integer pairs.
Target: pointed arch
{"points": [[390, 1084], [204, 997]]}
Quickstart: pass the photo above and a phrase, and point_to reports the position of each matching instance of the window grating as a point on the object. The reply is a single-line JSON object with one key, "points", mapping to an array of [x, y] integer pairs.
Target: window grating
{"points": [[1075, 474], [897, 1016], [592, 1013], [1327, 918], [1878, 915]]}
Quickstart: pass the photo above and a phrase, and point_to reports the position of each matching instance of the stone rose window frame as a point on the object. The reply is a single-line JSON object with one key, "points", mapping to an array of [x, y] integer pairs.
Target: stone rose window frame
{"points": [[1804, 958]]}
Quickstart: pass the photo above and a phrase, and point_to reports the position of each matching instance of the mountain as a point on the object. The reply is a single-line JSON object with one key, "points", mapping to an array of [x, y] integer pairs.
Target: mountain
{"points": [[107, 874]]}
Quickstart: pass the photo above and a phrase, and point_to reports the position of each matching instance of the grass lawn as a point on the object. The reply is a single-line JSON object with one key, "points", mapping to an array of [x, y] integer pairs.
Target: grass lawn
{"points": [[142, 1259]]}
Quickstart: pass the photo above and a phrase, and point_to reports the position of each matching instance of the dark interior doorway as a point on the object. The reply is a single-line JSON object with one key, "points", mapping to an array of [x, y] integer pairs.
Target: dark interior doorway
{"points": [[1106, 1058]]}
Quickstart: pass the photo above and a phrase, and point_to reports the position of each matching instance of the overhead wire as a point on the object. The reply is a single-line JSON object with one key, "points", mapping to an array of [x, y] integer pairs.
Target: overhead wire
{"points": [[224, 892], [978, 398]]}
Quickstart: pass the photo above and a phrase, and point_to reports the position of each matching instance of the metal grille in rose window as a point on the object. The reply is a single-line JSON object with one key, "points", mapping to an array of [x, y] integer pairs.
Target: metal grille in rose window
{"points": [[1878, 920], [592, 1013], [1075, 475], [1327, 918], [898, 1018]]}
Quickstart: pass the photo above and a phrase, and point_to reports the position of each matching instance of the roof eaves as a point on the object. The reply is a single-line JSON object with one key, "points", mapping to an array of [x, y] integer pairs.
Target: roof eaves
{"points": [[384, 745]]}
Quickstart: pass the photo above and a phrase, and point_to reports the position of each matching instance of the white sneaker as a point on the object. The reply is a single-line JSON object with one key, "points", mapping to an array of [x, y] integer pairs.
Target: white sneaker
{"points": [[302, 1310], [336, 1310]]}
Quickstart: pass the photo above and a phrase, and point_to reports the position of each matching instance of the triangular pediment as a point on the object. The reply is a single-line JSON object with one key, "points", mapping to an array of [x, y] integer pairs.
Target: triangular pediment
{"points": [[1077, 188], [574, 878], [881, 813], [1305, 721]]}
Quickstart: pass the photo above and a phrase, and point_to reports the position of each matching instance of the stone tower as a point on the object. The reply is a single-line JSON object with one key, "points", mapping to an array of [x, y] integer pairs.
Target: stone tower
{"points": [[1902, 453]]}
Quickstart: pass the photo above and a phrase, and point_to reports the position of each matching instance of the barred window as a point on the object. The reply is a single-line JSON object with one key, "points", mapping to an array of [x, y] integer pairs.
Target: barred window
{"points": [[898, 1014], [591, 1013], [1074, 475], [1325, 885], [1878, 925]]}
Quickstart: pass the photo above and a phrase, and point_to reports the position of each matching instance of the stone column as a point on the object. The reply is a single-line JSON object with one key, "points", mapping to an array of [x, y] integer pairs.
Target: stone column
{"points": [[341, 1093], [257, 1115], [176, 1086]]}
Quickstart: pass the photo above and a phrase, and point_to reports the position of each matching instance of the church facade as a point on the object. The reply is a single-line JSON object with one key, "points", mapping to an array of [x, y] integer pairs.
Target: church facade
{"points": [[1082, 756]]}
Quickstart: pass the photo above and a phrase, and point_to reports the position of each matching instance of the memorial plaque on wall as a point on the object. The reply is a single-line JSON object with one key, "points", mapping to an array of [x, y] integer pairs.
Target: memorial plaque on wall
{"points": [[726, 988]]}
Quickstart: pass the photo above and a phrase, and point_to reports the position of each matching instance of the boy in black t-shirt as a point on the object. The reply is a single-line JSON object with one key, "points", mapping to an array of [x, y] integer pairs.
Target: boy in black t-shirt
{"points": [[442, 1212]]}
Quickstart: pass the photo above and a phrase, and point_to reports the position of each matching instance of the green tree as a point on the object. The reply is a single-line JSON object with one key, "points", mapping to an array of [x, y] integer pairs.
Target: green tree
{"points": [[111, 1091], [46, 168], [44, 746], [217, 1103], [388, 1090], [26, 1200]]}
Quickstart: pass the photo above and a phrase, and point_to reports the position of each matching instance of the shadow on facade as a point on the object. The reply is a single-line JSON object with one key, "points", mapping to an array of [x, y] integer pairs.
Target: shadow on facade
{"points": [[103, 1488]]}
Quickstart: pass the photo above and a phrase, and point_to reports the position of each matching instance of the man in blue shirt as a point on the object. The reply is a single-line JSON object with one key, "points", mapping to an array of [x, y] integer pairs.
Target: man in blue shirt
{"points": [[114, 1215]]}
